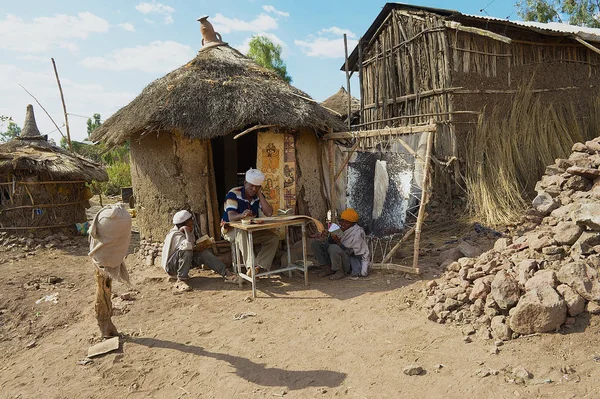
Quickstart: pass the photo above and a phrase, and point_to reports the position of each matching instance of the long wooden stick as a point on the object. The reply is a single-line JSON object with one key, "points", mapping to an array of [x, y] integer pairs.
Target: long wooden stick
{"points": [[44, 109], [424, 199], [331, 176], [354, 147], [253, 128], [586, 44], [382, 132], [216, 218], [62, 98], [347, 81], [406, 236]]}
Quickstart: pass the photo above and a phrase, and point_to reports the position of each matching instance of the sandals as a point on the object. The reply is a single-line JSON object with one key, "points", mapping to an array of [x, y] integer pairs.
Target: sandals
{"points": [[256, 271], [182, 286], [232, 279], [327, 272], [338, 275]]}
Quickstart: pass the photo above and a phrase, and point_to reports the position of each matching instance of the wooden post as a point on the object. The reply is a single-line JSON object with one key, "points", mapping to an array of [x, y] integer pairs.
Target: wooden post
{"points": [[331, 148], [424, 199], [360, 82], [214, 219], [103, 305], [347, 80], [62, 98]]}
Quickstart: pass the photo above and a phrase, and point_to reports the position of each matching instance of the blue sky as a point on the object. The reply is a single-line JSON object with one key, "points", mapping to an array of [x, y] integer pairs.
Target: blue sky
{"points": [[108, 51]]}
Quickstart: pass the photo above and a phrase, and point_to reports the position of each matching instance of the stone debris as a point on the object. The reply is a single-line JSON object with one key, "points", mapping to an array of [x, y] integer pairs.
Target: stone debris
{"points": [[543, 275], [412, 369]]}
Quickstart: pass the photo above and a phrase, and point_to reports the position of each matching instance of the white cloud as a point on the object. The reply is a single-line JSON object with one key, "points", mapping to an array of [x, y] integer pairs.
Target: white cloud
{"points": [[261, 23], [324, 48], [245, 46], [272, 9], [337, 31], [128, 26], [157, 8], [81, 98], [156, 57], [46, 33], [149, 21], [328, 43]]}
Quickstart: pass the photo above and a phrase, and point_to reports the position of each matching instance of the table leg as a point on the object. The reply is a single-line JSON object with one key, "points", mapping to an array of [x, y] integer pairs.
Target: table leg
{"points": [[289, 252], [305, 264], [238, 263], [251, 262]]}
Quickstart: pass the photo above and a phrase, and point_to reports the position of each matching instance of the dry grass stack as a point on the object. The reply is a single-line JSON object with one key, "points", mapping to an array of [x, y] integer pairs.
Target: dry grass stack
{"points": [[508, 152], [42, 186]]}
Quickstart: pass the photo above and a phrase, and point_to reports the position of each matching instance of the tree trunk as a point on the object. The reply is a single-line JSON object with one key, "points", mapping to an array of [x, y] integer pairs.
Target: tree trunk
{"points": [[104, 305]]}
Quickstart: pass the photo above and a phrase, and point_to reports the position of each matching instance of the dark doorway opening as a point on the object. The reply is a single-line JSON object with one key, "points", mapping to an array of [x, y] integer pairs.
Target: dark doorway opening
{"points": [[231, 159]]}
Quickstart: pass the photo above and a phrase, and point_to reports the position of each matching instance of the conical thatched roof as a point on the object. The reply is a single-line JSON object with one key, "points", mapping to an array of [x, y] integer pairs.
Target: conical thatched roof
{"points": [[219, 92], [32, 153], [339, 103]]}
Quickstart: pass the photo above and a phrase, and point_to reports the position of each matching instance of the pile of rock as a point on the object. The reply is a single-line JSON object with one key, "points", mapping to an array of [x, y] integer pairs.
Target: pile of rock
{"points": [[13, 247], [150, 252], [543, 276]]}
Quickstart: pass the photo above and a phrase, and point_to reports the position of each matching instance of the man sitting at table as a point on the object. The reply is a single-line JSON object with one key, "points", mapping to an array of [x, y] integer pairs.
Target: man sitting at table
{"points": [[244, 202], [179, 254], [334, 252]]}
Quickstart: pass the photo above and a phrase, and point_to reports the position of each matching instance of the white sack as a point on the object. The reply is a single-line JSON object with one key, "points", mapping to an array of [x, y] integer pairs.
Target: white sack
{"points": [[110, 234], [380, 188]]}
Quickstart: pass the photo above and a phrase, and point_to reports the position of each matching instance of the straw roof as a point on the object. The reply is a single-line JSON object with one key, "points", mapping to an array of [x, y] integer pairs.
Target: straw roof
{"points": [[339, 103], [32, 153], [219, 92]]}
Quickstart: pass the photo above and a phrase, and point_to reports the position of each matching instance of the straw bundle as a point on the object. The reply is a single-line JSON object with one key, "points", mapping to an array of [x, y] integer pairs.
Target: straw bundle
{"points": [[508, 153]]}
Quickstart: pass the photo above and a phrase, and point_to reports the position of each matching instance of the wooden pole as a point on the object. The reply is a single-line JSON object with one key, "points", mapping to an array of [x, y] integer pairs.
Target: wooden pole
{"points": [[360, 82], [331, 148], [424, 199], [214, 219], [347, 80], [406, 236], [62, 98], [103, 305], [354, 147]]}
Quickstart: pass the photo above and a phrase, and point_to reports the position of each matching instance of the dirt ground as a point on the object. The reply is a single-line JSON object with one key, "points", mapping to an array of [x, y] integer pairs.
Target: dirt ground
{"points": [[331, 339]]}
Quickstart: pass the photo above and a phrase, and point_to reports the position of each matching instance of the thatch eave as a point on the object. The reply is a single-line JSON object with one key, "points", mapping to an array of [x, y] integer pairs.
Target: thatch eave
{"points": [[219, 92]]}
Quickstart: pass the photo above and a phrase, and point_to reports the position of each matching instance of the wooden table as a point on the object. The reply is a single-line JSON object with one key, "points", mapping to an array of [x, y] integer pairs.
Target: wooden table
{"points": [[272, 223]]}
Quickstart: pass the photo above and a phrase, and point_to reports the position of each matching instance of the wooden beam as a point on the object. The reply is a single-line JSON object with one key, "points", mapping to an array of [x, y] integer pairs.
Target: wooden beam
{"points": [[381, 132], [253, 128], [406, 236], [586, 44], [398, 268], [424, 199], [477, 31], [354, 147], [348, 81], [423, 94]]}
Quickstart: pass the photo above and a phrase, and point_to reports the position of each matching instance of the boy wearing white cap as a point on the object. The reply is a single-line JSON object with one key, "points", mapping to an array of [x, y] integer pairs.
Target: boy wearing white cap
{"points": [[178, 255], [245, 201]]}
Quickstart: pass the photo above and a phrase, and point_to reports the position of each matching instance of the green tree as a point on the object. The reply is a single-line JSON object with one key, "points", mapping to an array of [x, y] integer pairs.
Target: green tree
{"points": [[268, 54], [93, 124], [574, 12], [12, 130]]}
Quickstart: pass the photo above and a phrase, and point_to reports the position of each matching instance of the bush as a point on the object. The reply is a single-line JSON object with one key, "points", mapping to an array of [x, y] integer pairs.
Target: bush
{"points": [[119, 175]]}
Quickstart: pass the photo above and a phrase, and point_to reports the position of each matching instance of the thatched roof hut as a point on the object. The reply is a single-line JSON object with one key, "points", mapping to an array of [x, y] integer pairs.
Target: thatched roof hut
{"points": [[41, 185], [339, 103], [184, 156], [219, 92]]}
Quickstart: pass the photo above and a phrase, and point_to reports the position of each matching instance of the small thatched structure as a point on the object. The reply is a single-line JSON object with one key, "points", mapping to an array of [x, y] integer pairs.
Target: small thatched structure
{"points": [[339, 103], [183, 154], [42, 186]]}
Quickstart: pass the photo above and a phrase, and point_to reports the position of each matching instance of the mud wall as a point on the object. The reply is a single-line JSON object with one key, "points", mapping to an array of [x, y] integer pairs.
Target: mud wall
{"points": [[169, 173], [309, 188]]}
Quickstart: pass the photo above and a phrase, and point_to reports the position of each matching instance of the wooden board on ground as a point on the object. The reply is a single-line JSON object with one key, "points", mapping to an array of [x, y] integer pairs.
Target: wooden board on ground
{"points": [[103, 347], [398, 268]]}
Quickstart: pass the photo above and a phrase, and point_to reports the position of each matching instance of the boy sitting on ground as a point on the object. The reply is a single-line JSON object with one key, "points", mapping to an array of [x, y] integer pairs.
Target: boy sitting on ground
{"points": [[178, 255]]}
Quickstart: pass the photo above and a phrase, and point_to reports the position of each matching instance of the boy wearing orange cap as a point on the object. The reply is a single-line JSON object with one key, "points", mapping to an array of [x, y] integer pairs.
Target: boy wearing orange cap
{"points": [[334, 253]]}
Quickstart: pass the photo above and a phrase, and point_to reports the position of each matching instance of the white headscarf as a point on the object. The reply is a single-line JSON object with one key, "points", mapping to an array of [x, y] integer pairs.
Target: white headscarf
{"points": [[255, 177]]}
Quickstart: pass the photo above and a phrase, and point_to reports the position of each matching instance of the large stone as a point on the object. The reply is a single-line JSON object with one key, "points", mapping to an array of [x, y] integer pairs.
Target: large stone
{"points": [[469, 250], [481, 288], [585, 244], [593, 146], [452, 254], [540, 242], [588, 215], [502, 243], [499, 328], [542, 278], [578, 275], [580, 150], [539, 310], [505, 290], [566, 212], [575, 302], [588, 173], [566, 233], [544, 203]]}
